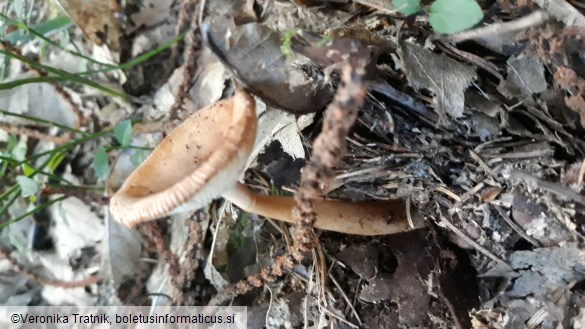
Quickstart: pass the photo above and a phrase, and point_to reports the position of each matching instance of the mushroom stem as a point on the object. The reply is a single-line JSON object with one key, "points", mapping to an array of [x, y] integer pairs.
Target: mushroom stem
{"points": [[361, 218]]}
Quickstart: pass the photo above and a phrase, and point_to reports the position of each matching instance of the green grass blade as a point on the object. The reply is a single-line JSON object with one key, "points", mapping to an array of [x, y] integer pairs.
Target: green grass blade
{"points": [[32, 211], [68, 145], [41, 30], [72, 76], [42, 121], [140, 58], [5, 195]]}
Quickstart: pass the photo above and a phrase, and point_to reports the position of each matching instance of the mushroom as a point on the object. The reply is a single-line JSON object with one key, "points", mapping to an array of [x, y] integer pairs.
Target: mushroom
{"points": [[203, 159]]}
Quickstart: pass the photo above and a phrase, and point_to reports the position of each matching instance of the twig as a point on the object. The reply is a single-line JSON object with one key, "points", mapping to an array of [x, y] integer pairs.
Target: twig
{"points": [[349, 304], [470, 192], [193, 254], [581, 173], [482, 164], [190, 66], [87, 196], [22, 131], [48, 282], [408, 214], [328, 149], [473, 59], [340, 318], [476, 245], [538, 153], [186, 14], [153, 233], [448, 193], [516, 228], [319, 255], [534, 19]]}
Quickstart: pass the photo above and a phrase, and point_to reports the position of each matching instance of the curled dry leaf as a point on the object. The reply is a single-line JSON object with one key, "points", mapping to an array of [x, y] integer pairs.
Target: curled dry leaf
{"points": [[381, 5], [121, 254], [253, 54]]}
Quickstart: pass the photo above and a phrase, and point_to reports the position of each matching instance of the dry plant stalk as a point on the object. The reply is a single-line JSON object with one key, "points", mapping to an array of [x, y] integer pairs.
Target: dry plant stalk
{"points": [[186, 16], [176, 114], [193, 254], [88, 197], [48, 282], [154, 234], [328, 149], [22, 131]]}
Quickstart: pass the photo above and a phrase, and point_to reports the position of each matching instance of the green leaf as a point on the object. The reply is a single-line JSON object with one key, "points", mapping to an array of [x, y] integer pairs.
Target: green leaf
{"points": [[101, 164], [12, 142], [19, 151], [138, 157], [27, 185], [72, 76], [30, 212], [452, 16], [123, 133], [56, 160], [407, 7], [3, 164], [22, 26], [286, 46], [27, 170]]}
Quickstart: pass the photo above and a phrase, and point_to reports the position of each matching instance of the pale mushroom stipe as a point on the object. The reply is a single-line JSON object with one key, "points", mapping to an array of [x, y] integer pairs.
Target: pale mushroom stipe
{"points": [[203, 159]]}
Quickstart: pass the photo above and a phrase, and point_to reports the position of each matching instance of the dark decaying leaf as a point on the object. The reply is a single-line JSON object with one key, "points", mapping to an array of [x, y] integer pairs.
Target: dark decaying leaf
{"points": [[408, 288], [280, 166], [538, 221], [252, 52], [543, 278], [417, 258], [445, 77], [328, 52], [362, 258]]}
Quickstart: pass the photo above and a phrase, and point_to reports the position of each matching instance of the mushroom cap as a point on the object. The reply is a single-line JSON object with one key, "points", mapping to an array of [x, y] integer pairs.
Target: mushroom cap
{"points": [[199, 160]]}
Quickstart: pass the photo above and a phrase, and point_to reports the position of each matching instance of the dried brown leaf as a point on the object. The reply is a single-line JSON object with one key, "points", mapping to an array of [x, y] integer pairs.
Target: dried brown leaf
{"points": [[382, 5], [444, 76], [97, 19], [525, 77]]}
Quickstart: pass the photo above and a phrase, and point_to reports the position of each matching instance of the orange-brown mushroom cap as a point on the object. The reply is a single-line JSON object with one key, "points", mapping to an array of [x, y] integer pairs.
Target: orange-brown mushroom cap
{"points": [[193, 165]]}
